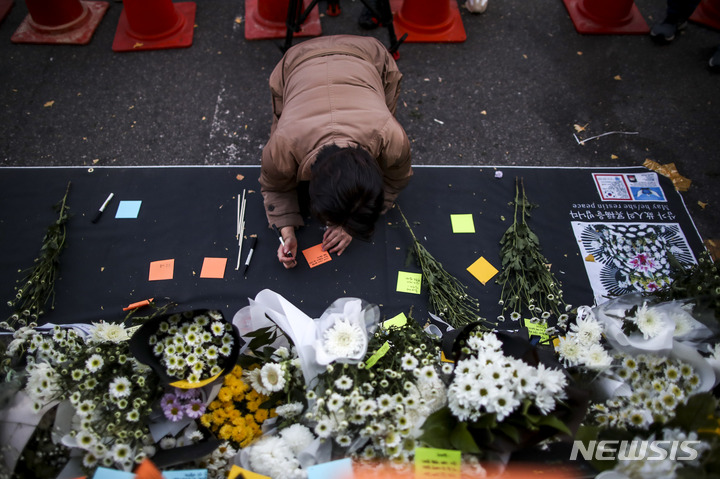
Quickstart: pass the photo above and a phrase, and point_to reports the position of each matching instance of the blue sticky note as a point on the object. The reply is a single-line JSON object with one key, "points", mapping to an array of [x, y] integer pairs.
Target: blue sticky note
{"points": [[106, 473], [186, 474], [340, 469], [128, 209]]}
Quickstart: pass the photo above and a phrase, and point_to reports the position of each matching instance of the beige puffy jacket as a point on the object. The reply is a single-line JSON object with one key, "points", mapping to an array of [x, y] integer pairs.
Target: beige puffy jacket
{"points": [[338, 89]]}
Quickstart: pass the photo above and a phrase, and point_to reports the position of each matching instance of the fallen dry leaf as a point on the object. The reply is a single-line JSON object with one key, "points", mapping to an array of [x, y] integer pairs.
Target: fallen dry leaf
{"points": [[483, 112], [239, 177], [613, 157], [579, 128], [238, 20], [49, 103], [579, 53], [617, 77], [138, 45], [702, 204]]}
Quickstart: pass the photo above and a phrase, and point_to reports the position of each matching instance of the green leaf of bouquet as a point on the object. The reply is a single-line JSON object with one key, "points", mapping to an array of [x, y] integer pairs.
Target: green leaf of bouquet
{"points": [[554, 422], [510, 431], [437, 429], [462, 439], [696, 413]]}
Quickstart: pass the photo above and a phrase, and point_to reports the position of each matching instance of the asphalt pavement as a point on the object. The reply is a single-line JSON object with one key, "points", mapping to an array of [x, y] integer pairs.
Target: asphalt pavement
{"points": [[524, 88]]}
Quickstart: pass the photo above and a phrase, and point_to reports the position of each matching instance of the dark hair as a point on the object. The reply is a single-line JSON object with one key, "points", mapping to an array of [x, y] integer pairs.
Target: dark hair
{"points": [[346, 189]]}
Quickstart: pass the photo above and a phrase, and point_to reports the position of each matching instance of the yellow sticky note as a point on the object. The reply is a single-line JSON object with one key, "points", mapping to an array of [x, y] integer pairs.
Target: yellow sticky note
{"points": [[462, 223], [437, 463], [409, 282], [315, 256], [213, 268], [236, 471], [537, 329], [377, 355], [399, 320], [160, 270], [482, 270]]}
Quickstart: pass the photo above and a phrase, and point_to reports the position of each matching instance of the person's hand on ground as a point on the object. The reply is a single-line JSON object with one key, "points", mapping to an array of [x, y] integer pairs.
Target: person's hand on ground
{"points": [[335, 240]]}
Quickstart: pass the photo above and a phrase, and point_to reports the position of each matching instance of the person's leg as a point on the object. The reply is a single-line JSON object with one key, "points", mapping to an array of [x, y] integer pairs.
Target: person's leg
{"points": [[678, 12]]}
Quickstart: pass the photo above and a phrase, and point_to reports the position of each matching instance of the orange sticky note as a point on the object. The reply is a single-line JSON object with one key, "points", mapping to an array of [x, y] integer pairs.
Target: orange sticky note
{"points": [[213, 268], [482, 270], [160, 270], [315, 256], [147, 470]]}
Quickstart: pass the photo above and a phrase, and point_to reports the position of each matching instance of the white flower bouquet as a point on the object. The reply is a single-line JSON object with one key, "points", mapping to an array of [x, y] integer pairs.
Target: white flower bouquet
{"points": [[188, 349]]}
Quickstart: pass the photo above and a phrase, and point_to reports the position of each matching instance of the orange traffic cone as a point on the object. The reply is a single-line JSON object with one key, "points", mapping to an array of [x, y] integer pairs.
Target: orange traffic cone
{"points": [[154, 25], [60, 22], [707, 13], [5, 6], [265, 19], [606, 16], [430, 21]]}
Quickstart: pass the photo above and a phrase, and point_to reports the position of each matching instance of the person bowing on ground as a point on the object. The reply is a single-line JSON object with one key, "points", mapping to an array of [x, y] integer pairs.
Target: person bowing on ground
{"points": [[335, 147]]}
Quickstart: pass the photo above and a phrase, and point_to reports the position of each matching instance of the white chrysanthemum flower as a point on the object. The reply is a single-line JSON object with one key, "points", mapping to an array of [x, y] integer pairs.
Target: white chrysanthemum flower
{"points": [[298, 437], [596, 357], [289, 410], [272, 376], [103, 332], [408, 362], [324, 427], [587, 330], [649, 321], [121, 452], [344, 382], [569, 349], [120, 387], [343, 339], [504, 404]]}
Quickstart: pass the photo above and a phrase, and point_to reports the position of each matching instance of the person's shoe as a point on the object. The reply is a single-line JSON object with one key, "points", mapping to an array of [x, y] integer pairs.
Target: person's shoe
{"points": [[714, 62], [367, 20], [665, 32]]}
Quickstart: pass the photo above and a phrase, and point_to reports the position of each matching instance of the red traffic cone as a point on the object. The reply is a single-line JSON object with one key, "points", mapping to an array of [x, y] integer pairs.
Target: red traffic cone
{"points": [[430, 21], [707, 13], [154, 25], [265, 19], [60, 22], [606, 16], [5, 6]]}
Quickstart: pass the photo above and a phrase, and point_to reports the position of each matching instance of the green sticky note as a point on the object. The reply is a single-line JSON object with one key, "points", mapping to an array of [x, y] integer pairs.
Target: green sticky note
{"points": [[462, 223], [431, 463], [399, 320], [409, 282], [537, 329], [378, 354]]}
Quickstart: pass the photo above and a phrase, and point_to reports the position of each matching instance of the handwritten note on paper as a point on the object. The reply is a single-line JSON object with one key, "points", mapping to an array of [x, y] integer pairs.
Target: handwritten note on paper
{"points": [[537, 329], [482, 270], [213, 268], [161, 270], [128, 209], [339, 469], [186, 474], [315, 256], [431, 463], [409, 282], [462, 223], [237, 471]]}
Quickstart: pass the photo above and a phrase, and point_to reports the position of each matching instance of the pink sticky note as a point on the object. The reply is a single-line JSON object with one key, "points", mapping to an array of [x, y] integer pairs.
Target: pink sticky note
{"points": [[160, 270], [315, 256], [213, 268]]}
